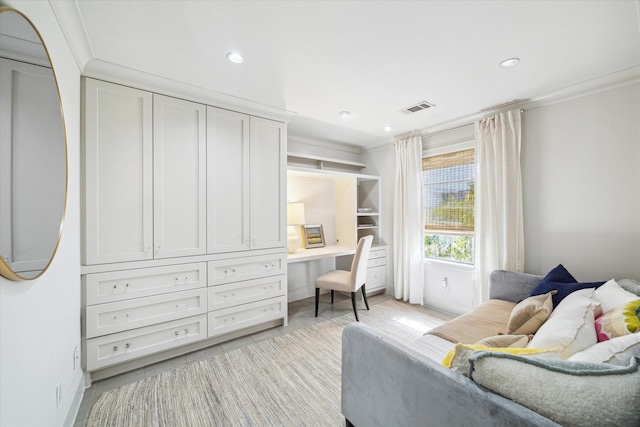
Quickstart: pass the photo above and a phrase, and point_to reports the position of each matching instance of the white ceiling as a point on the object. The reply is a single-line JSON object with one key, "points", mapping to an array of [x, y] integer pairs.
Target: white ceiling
{"points": [[372, 58]]}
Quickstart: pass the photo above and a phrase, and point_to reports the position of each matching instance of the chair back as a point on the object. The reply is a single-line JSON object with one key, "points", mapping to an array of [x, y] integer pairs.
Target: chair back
{"points": [[359, 264]]}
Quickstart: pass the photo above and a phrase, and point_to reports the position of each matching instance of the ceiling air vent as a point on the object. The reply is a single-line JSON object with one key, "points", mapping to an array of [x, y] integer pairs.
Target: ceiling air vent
{"points": [[417, 107]]}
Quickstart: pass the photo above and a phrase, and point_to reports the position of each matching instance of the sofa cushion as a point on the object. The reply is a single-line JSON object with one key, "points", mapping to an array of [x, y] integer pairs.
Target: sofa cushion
{"points": [[573, 394], [506, 341], [486, 320], [570, 328], [630, 285], [529, 314], [611, 295], [561, 280], [617, 351], [620, 321]]}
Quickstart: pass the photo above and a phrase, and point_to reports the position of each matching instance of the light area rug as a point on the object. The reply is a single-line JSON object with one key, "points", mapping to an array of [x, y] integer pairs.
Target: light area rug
{"points": [[289, 380]]}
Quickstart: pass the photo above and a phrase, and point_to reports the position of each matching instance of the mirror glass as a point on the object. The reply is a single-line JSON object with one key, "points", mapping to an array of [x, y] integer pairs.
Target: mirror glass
{"points": [[33, 154]]}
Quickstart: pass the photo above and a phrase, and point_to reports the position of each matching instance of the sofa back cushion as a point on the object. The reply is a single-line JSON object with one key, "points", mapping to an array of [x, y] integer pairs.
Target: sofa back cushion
{"points": [[511, 286]]}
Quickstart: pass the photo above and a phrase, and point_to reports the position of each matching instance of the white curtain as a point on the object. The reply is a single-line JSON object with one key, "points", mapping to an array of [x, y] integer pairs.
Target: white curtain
{"points": [[408, 224], [499, 234]]}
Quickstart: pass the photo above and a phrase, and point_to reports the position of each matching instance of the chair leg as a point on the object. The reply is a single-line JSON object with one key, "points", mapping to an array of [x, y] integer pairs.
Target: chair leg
{"points": [[331, 296], [364, 296], [353, 302], [317, 298], [348, 423]]}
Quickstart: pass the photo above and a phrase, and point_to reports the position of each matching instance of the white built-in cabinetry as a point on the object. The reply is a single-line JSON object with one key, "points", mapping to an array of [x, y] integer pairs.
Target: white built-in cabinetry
{"points": [[348, 209], [183, 224], [246, 156]]}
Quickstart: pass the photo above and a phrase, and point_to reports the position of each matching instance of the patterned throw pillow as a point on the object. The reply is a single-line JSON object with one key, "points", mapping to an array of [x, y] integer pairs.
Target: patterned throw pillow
{"points": [[620, 321]]}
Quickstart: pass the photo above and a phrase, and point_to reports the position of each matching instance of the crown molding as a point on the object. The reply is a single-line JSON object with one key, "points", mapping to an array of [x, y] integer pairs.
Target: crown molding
{"points": [[115, 73], [72, 26], [588, 87]]}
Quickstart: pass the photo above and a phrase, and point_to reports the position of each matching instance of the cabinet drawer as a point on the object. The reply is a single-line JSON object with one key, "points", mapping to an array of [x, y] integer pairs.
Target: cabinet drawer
{"points": [[378, 253], [236, 269], [231, 294], [375, 262], [121, 285], [124, 346], [242, 316], [121, 316], [376, 277]]}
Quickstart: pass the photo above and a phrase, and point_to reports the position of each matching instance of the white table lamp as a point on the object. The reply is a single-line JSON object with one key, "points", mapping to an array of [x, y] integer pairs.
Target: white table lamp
{"points": [[295, 218]]}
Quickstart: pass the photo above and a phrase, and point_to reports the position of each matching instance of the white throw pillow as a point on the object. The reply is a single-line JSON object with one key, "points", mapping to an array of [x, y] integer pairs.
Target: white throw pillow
{"points": [[611, 295], [570, 328], [617, 351]]}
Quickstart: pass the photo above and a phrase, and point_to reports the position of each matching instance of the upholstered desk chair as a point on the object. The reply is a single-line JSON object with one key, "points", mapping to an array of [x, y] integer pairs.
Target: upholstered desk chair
{"points": [[348, 281]]}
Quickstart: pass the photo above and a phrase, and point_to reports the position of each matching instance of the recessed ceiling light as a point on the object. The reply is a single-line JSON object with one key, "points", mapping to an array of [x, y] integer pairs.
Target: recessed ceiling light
{"points": [[509, 62], [235, 57], [344, 114], [388, 128]]}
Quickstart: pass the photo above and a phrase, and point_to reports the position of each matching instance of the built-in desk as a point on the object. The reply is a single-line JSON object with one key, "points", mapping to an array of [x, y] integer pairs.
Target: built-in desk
{"points": [[319, 253], [305, 265]]}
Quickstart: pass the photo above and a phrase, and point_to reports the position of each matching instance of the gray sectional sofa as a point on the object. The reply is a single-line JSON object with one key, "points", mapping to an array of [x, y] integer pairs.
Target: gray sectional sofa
{"points": [[389, 384]]}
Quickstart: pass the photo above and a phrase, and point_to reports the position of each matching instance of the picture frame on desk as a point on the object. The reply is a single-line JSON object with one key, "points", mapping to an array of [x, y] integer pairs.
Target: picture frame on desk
{"points": [[313, 236]]}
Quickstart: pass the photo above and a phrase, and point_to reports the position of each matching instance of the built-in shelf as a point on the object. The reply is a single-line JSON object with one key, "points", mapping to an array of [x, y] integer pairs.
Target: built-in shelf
{"points": [[309, 161]]}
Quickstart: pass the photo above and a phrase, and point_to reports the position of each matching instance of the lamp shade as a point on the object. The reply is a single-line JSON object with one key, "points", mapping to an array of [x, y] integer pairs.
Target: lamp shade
{"points": [[295, 213]]}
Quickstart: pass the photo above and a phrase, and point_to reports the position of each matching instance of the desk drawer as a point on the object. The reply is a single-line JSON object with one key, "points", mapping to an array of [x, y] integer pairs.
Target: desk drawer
{"points": [[245, 315], [375, 262], [232, 294], [143, 282], [254, 267], [376, 277], [378, 253], [121, 316], [124, 346]]}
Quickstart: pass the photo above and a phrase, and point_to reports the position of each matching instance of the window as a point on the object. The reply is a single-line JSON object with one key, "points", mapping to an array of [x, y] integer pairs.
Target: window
{"points": [[449, 189]]}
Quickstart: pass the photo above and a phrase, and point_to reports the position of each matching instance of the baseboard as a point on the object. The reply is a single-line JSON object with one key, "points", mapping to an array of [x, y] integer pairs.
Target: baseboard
{"points": [[74, 407]]}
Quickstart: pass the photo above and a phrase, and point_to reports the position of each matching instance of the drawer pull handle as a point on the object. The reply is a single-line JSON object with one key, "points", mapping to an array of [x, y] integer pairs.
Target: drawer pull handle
{"points": [[115, 348], [127, 345], [183, 305], [183, 279], [186, 331]]}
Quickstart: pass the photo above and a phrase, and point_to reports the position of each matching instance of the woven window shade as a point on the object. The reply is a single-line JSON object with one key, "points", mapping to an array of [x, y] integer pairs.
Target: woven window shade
{"points": [[449, 193]]}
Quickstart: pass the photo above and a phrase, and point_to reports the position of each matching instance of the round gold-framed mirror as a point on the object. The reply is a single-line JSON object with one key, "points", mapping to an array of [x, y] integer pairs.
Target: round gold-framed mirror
{"points": [[33, 151]]}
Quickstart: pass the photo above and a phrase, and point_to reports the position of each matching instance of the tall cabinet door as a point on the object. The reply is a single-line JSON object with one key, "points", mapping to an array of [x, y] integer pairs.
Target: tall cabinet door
{"points": [[179, 177], [227, 181], [268, 157], [118, 181]]}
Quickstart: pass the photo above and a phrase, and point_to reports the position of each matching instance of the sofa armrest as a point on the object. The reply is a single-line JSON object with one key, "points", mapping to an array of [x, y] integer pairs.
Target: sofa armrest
{"points": [[511, 286], [385, 383]]}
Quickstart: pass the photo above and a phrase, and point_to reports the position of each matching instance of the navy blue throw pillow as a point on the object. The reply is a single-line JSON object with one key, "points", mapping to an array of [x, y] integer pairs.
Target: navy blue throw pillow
{"points": [[559, 279]]}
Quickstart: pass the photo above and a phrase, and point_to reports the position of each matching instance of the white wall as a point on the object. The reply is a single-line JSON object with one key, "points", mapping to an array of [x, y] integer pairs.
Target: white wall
{"points": [[40, 320], [581, 186]]}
